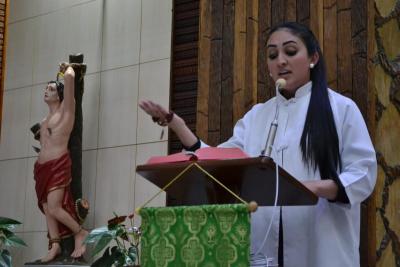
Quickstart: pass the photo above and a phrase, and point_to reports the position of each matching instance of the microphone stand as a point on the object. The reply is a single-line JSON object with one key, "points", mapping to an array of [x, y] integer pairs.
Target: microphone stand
{"points": [[266, 152]]}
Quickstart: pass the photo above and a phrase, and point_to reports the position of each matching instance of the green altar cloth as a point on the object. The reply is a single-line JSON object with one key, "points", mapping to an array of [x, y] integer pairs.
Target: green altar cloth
{"points": [[207, 235]]}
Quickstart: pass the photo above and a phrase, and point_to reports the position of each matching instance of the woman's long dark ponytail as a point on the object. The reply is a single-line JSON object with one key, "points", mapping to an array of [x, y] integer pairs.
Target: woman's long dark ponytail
{"points": [[319, 141]]}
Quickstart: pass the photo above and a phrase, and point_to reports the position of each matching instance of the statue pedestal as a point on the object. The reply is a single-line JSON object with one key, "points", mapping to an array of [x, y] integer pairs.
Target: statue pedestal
{"points": [[54, 265], [59, 262]]}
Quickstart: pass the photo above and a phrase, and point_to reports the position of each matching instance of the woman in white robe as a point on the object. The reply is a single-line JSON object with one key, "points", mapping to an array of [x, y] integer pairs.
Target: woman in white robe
{"points": [[321, 139]]}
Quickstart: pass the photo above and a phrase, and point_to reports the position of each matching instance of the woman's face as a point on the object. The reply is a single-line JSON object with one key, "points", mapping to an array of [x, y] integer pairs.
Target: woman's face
{"points": [[288, 59]]}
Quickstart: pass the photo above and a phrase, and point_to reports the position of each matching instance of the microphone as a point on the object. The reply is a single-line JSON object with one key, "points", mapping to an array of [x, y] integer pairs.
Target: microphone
{"points": [[279, 84]]}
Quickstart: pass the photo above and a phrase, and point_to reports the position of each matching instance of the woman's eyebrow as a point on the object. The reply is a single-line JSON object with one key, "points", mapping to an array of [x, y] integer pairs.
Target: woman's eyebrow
{"points": [[285, 43], [288, 42]]}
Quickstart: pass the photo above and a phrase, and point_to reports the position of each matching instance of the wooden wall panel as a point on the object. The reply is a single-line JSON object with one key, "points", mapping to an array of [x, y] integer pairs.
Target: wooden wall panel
{"points": [[316, 21], [264, 24], [251, 55], [184, 65], [214, 100], [303, 11], [291, 10], [277, 11], [233, 72], [227, 70], [239, 59], [359, 54], [330, 41], [204, 69], [368, 106], [344, 67], [387, 117]]}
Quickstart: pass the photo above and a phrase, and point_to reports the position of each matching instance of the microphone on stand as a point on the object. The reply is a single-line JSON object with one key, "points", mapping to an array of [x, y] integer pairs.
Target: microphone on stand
{"points": [[266, 152], [279, 84]]}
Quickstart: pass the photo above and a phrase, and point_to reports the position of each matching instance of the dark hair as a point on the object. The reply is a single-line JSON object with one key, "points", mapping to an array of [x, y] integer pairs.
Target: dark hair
{"points": [[60, 89], [319, 141]]}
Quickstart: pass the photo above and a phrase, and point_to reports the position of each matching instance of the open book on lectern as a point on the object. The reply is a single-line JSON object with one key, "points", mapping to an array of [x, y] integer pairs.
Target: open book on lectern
{"points": [[187, 178], [205, 153]]}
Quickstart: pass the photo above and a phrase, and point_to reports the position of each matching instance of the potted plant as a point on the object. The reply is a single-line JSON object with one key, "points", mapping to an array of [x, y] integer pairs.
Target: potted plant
{"points": [[8, 239], [124, 251]]}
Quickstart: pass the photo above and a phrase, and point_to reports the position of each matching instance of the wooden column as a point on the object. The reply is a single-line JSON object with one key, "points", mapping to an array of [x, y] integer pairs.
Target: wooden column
{"points": [[75, 149], [75, 140]]}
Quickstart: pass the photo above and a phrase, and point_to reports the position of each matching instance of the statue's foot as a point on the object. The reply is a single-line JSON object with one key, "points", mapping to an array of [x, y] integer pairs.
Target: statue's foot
{"points": [[53, 252], [80, 248]]}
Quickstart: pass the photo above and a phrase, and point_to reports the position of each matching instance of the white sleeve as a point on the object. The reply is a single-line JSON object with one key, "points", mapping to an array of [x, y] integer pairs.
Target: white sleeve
{"points": [[202, 144], [239, 132], [359, 167], [237, 139]]}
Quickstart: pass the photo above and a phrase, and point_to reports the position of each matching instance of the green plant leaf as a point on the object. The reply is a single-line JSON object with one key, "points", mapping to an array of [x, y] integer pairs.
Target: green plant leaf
{"points": [[132, 253], [7, 223], [5, 258], [11, 240], [104, 261], [14, 241], [96, 234], [5, 220], [117, 256], [129, 261], [2, 238], [101, 237], [121, 232], [101, 244]]}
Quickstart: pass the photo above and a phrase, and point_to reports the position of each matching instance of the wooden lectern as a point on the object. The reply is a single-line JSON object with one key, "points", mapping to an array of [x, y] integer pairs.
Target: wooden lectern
{"points": [[253, 179]]}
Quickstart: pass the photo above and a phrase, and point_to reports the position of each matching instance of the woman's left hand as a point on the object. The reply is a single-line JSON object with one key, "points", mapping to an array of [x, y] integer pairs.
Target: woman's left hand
{"points": [[323, 188]]}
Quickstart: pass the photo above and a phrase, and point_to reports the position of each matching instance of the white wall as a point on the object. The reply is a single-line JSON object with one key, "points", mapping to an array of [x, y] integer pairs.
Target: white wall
{"points": [[127, 46]]}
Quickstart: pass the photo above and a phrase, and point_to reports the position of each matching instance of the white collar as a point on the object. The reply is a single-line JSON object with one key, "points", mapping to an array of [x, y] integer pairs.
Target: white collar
{"points": [[300, 92]]}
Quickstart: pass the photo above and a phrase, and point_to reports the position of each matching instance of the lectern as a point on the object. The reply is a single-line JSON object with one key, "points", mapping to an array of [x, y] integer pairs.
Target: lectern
{"points": [[194, 233], [253, 179]]}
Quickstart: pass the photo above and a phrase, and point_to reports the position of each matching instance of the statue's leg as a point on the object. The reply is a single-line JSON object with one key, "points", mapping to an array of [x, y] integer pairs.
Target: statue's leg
{"points": [[80, 248], [54, 200], [52, 227]]}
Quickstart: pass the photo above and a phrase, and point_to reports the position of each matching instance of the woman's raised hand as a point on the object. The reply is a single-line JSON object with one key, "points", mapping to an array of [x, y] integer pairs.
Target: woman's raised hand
{"points": [[153, 109], [164, 117], [158, 113]]}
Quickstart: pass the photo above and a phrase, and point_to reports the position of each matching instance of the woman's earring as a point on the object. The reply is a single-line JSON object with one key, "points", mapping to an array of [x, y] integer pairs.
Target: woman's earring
{"points": [[312, 65]]}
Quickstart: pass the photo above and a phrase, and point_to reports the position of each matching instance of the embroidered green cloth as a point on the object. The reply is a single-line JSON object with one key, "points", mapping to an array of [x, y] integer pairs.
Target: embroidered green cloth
{"points": [[208, 235]]}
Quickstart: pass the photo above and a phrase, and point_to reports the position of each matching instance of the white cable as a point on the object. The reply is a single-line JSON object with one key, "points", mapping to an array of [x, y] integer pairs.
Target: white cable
{"points": [[274, 208], [281, 83]]}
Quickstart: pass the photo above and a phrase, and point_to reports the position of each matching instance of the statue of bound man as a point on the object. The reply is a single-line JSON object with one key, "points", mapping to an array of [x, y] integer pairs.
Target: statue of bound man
{"points": [[52, 170]]}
